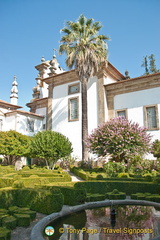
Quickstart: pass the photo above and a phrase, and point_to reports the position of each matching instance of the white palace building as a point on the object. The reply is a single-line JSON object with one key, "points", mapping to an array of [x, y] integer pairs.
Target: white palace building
{"points": [[56, 102]]}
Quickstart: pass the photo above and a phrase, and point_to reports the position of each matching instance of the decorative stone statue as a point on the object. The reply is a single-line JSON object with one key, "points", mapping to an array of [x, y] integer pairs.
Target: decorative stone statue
{"points": [[18, 165]]}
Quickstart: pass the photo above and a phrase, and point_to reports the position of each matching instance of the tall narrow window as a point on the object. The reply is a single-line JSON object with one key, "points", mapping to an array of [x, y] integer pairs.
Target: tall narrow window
{"points": [[151, 117], [1, 124], [30, 125], [73, 109]]}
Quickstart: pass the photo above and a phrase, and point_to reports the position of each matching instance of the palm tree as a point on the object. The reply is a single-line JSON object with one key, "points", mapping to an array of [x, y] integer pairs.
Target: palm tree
{"points": [[85, 50]]}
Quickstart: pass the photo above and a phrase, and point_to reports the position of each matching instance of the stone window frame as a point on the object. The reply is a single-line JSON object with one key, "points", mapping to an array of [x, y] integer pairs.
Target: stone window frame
{"points": [[72, 85], [145, 116], [69, 109], [122, 110], [1, 124], [30, 125]]}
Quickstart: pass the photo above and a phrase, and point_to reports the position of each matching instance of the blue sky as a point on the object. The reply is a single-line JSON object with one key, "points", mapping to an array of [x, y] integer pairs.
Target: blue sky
{"points": [[30, 29]]}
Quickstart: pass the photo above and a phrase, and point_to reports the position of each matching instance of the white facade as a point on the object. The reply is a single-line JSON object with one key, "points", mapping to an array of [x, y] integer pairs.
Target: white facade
{"points": [[101, 104], [54, 107], [23, 122], [60, 117], [134, 104]]}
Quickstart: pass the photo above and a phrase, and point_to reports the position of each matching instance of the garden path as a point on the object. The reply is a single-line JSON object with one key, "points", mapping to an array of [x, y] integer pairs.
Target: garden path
{"points": [[74, 177], [21, 233]]}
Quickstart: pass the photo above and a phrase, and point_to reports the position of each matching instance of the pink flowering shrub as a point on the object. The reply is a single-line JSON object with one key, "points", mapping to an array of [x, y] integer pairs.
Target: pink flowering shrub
{"points": [[120, 138]]}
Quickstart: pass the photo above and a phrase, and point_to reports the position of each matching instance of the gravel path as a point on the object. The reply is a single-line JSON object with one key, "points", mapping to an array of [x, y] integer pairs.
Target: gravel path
{"points": [[21, 233], [74, 177]]}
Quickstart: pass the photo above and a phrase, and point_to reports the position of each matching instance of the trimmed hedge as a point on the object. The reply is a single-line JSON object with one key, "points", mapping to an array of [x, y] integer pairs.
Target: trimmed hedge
{"points": [[40, 200], [127, 187], [31, 177], [146, 196], [5, 182], [80, 173], [115, 194], [2, 216], [23, 220], [9, 222], [12, 209], [71, 195], [8, 197], [97, 174], [95, 197], [5, 233]]}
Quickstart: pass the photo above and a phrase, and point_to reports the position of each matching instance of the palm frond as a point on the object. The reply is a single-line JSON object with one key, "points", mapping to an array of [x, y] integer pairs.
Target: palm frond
{"points": [[85, 49]]}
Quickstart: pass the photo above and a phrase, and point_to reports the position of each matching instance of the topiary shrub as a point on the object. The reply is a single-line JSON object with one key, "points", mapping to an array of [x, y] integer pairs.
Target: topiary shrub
{"points": [[23, 220], [99, 177], [25, 168], [95, 197], [147, 177], [17, 177], [156, 179], [2, 216], [73, 196], [128, 187], [12, 209], [5, 182], [9, 222], [3, 211], [115, 194], [157, 198], [33, 176], [134, 196], [123, 175], [7, 197], [5, 234], [40, 200], [131, 174], [18, 184], [29, 212]]}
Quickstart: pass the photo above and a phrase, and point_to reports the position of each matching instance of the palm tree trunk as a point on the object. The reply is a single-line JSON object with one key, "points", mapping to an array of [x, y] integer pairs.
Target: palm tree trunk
{"points": [[84, 119]]}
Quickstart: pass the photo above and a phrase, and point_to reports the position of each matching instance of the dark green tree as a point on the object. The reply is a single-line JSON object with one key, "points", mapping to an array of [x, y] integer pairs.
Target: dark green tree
{"points": [[85, 51], [13, 145], [145, 65], [152, 67], [50, 146]]}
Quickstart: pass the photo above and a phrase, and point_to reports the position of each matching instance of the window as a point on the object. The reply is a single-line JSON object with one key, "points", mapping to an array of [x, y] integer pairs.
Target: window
{"points": [[151, 117], [121, 113], [73, 109], [73, 88], [30, 125], [1, 124]]}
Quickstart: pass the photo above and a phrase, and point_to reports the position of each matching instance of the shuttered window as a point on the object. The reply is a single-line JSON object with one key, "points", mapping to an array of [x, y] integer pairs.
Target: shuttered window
{"points": [[151, 117], [30, 125], [73, 109]]}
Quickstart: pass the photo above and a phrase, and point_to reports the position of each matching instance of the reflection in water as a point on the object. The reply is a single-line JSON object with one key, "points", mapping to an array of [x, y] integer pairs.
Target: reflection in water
{"points": [[118, 223]]}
